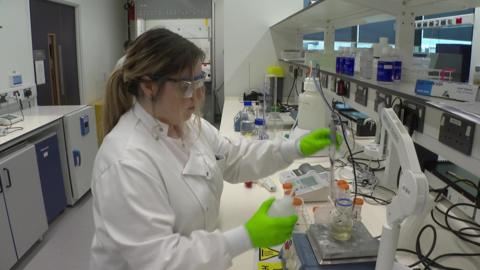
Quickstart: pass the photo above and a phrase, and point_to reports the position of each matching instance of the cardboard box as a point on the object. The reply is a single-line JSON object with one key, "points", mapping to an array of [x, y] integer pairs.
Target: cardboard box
{"points": [[444, 89]]}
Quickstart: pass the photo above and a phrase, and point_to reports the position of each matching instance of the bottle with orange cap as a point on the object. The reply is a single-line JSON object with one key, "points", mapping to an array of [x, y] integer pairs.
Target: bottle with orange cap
{"points": [[357, 209], [283, 207], [342, 189], [302, 223]]}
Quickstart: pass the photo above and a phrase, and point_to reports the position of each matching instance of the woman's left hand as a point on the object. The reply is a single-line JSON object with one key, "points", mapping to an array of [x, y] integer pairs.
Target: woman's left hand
{"points": [[317, 140]]}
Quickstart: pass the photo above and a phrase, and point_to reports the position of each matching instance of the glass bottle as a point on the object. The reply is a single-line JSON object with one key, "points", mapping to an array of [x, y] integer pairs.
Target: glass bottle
{"points": [[342, 222], [247, 119], [260, 131]]}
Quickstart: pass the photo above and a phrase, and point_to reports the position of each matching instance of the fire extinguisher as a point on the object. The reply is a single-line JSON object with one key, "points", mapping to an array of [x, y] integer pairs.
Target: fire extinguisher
{"points": [[130, 8]]}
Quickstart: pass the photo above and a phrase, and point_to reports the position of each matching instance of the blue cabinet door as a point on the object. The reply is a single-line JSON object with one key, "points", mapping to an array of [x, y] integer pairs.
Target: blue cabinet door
{"points": [[50, 169]]}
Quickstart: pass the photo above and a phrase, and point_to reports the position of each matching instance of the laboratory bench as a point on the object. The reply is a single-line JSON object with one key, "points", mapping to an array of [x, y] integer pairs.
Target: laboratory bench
{"points": [[45, 164], [239, 203]]}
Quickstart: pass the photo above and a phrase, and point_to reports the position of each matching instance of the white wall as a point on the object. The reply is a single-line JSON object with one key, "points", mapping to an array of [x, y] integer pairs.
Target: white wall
{"points": [[475, 45], [101, 31], [248, 41], [15, 42]]}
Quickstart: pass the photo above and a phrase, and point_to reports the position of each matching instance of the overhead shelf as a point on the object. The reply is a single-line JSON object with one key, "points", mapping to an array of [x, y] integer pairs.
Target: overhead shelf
{"points": [[405, 90], [344, 13]]}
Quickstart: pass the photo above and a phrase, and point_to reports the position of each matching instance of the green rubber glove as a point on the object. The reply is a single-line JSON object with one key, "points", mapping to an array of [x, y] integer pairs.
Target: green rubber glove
{"points": [[316, 141], [266, 231]]}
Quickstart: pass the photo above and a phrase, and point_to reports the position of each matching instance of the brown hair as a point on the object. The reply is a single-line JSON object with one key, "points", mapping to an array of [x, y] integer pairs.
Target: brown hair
{"points": [[156, 52]]}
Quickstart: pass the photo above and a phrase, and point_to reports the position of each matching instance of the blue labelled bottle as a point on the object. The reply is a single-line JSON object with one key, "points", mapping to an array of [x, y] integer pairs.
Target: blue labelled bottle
{"points": [[385, 67], [260, 131], [349, 63], [397, 66], [247, 119], [338, 66]]}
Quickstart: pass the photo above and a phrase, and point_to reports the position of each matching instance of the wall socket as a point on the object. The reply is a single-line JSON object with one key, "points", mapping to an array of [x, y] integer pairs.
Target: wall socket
{"points": [[361, 95], [457, 133], [413, 110], [383, 98], [3, 98]]}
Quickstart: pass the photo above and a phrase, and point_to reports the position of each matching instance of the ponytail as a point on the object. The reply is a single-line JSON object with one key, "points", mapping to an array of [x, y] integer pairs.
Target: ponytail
{"points": [[117, 100]]}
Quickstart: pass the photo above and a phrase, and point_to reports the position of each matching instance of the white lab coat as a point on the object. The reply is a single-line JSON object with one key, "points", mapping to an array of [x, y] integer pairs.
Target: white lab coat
{"points": [[156, 199]]}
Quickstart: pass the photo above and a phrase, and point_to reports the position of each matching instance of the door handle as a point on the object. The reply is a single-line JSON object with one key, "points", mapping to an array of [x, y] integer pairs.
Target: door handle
{"points": [[1, 185], [60, 68], [77, 158], [9, 183]]}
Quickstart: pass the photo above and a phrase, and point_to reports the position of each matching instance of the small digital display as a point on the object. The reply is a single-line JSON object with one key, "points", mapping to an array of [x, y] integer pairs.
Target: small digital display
{"points": [[17, 79], [297, 172], [309, 181]]}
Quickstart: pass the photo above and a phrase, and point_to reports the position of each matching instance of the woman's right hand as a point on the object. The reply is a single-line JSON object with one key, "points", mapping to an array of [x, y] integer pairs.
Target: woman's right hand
{"points": [[267, 231]]}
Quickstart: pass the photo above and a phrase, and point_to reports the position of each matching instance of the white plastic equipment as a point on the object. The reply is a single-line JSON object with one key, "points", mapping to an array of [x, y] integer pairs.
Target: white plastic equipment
{"points": [[412, 194], [311, 107]]}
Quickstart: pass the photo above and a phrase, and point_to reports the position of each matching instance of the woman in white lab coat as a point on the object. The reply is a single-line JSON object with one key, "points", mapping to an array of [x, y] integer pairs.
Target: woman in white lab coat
{"points": [[158, 176]]}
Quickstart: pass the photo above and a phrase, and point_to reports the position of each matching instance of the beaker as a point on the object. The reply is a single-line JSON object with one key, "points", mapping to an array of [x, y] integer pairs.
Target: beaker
{"points": [[342, 222]]}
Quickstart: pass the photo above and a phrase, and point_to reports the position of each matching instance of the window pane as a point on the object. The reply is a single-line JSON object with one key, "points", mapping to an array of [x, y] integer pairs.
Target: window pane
{"points": [[447, 14], [370, 33], [348, 34], [314, 36], [463, 33], [311, 45]]}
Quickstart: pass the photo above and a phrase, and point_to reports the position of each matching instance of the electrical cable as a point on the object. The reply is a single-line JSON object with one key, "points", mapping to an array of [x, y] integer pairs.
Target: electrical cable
{"points": [[320, 89], [424, 258], [376, 199], [294, 85]]}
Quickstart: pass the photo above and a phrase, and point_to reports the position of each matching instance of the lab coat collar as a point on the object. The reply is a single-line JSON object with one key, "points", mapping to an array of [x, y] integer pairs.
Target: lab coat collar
{"points": [[155, 127]]}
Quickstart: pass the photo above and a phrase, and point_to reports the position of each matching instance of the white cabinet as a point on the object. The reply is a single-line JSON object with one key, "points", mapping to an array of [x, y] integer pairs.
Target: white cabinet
{"points": [[7, 250], [22, 198]]}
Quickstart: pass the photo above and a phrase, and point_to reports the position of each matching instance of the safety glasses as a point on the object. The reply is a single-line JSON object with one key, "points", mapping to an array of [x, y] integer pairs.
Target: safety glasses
{"points": [[188, 87]]}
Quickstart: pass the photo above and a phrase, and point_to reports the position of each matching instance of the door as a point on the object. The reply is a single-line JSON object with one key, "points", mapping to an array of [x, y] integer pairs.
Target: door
{"points": [[81, 144], [50, 169], [54, 39], [23, 197], [8, 256]]}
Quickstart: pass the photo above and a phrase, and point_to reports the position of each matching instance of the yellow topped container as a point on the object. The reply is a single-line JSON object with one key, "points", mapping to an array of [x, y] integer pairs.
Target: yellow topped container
{"points": [[276, 71]]}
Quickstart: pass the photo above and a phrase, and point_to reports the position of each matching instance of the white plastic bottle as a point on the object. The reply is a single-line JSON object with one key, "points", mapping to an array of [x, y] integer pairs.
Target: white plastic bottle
{"points": [[311, 107], [366, 63], [282, 207], [385, 67]]}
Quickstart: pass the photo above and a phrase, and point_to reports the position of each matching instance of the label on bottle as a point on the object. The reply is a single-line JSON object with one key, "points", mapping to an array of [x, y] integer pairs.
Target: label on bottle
{"points": [[397, 70], [338, 67], [349, 66], [385, 71]]}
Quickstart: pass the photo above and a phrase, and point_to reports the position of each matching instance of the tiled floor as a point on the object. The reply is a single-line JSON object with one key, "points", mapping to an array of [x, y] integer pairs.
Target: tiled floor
{"points": [[66, 245]]}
